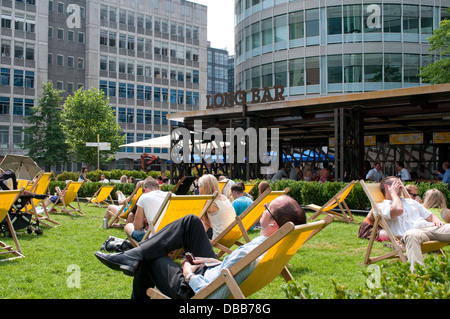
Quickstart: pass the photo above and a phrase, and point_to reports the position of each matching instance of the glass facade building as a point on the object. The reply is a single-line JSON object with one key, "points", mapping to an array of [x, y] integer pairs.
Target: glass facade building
{"points": [[319, 48]]}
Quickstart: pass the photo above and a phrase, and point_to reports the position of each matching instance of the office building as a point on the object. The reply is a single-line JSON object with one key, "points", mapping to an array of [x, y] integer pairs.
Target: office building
{"points": [[148, 56]]}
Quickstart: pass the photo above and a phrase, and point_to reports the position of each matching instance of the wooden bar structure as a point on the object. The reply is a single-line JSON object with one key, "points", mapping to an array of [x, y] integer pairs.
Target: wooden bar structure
{"points": [[347, 129]]}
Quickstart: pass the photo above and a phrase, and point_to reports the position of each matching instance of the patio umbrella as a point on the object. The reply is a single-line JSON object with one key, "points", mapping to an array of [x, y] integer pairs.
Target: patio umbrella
{"points": [[23, 166]]}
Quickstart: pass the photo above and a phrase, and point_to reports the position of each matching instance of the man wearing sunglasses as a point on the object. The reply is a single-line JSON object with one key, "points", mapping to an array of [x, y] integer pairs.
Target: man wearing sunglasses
{"points": [[150, 265]]}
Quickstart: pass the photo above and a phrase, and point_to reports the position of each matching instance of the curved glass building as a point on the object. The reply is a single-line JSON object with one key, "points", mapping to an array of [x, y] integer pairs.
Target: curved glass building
{"points": [[317, 48]]}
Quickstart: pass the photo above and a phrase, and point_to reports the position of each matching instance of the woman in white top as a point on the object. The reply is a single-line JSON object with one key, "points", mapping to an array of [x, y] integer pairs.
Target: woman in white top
{"points": [[221, 213]]}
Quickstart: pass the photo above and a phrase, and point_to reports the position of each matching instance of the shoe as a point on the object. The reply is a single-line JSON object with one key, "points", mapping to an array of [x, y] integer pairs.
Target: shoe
{"points": [[120, 261]]}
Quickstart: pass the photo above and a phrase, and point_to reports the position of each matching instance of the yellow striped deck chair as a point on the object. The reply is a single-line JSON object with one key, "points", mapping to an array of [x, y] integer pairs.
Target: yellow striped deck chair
{"points": [[128, 206], [7, 199], [337, 200], [241, 225], [67, 196], [101, 196], [272, 255], [176, 207], [375, 196]]}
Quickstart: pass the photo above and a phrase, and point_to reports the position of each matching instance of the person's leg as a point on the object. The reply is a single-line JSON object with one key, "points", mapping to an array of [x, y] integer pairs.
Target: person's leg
{"points": [[186, 232], [414, 239], [163, 273]]}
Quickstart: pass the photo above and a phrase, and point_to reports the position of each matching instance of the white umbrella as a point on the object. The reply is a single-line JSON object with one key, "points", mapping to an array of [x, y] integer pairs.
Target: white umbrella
{"points": [[23, 166]]}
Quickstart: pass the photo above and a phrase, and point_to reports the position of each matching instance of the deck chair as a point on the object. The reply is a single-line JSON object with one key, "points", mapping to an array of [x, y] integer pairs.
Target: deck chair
{"points": [[176, 207], [101, 196], [122, 214], [7, 199], [66, 197], [249, 187], [272, 256], [375, 196], [243, 223], [337, 200], [40, 187]]}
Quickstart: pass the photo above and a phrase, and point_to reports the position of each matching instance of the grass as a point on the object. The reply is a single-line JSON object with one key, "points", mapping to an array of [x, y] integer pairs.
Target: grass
{"points": [[47, 270]]}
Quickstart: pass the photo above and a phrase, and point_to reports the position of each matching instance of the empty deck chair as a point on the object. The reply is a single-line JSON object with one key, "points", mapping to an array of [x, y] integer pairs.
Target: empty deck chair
{"points": [[7, 199], [337, 200], [271, 256], [101, 196], [375, 196]]}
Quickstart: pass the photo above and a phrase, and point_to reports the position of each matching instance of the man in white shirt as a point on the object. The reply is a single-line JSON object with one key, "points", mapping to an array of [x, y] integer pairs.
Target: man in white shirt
{"points": [[410, 220], [375, 174], [147, 205], [403, 173]]}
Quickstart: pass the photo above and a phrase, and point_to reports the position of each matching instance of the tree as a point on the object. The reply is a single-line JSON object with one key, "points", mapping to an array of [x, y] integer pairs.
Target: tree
{"points": [[46, 142], [86, 115], [438, 71]]}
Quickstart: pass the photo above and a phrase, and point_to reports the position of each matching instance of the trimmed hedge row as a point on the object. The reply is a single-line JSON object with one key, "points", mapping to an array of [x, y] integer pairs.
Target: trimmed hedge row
{"points": [[304, 192]]}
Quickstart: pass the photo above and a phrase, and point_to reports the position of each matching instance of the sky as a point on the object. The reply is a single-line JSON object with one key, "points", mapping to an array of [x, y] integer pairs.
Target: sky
{"points": [[220, 23]]}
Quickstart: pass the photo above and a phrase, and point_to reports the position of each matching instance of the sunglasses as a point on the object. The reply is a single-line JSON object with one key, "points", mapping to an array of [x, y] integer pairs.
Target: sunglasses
{"points": [[266, 206]]}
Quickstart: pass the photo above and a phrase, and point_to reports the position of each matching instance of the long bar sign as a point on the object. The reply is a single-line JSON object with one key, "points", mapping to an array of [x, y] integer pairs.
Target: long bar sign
{"points": [[241, 97]]}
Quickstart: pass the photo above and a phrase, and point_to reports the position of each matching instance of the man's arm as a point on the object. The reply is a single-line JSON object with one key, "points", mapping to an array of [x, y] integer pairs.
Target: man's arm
{"points": [[396, 205], [434, 219], [139, 218]]}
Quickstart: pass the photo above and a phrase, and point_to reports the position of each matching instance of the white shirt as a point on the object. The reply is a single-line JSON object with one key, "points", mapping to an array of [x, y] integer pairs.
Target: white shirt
{"points": [[414, 215], [374, 174], [404, 175], [151, 202]]}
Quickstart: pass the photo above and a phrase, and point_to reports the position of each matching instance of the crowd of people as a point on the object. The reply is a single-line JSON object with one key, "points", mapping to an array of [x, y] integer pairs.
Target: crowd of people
{"points": [[412, 220]]}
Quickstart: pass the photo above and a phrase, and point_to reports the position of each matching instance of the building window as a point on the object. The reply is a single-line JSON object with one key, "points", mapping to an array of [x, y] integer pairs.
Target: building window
{"points": [[5, 75], [18, 78], [4, 137], [60, 7], [4, 105], [60, 60], [6, 48]]}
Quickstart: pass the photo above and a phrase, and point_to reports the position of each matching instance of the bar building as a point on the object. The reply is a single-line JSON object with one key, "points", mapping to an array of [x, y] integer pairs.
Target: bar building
{"points": [[149, 56]]}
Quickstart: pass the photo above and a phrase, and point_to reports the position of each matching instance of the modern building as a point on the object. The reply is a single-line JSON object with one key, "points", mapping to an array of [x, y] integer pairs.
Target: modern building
{"points": [[217, 70], [149, 56], [320, 48]]}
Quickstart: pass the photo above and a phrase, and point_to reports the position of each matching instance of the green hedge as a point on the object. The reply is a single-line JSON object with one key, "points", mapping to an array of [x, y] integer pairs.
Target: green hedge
{"points": [[304, 192]]}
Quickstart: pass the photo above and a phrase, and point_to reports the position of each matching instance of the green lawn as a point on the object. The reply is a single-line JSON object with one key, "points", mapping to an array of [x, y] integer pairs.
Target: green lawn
{"points": [[47, 271]]}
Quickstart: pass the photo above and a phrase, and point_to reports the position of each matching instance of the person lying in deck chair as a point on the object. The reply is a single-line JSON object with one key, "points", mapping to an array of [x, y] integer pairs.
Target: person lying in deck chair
{"points": [[151, 266]]}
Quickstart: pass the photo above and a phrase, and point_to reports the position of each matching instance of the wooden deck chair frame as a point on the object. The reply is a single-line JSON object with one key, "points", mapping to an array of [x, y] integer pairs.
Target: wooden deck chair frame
{"points": [[101, 196], [244, 222], [249, 187], [337, 200], [137, 192], [7, 199], [66, 197], [398, 251], [40, 186], [276, 251], [165, 216]]}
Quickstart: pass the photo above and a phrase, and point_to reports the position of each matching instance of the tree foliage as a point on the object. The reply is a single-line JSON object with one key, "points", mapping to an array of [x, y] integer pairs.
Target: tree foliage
{"points": [[87, 114], [438, 71], [46, 143]]}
